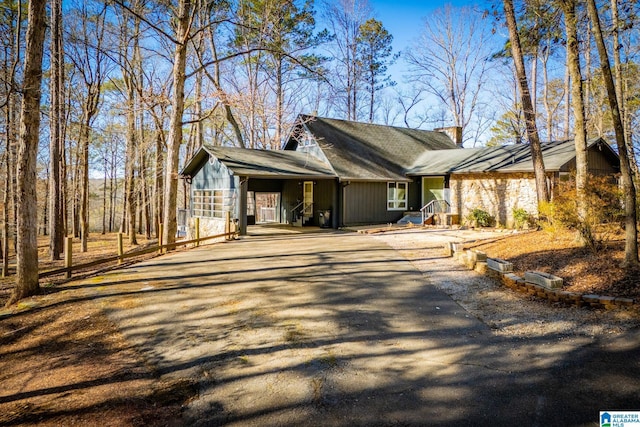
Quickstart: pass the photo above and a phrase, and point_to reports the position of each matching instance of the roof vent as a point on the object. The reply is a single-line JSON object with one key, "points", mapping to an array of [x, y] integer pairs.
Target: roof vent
{"points": [[453, 132]]}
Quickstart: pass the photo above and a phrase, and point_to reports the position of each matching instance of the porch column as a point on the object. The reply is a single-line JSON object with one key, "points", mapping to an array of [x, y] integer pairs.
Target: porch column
{"points": [[337, 209], [242, 205]]}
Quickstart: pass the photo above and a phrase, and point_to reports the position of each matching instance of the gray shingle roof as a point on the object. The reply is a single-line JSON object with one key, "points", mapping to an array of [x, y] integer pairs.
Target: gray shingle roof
{"points": [[509, 158], [363, 151], [369, 152], [262, 163]]}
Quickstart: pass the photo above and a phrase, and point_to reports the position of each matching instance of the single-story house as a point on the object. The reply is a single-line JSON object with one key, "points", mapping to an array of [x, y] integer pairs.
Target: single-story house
{"points": [[335, 173]]}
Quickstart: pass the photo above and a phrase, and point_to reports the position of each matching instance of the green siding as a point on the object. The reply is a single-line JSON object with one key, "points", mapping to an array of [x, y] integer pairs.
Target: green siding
{"points": [[366, 203], [291, 196], [598, 163], [323, 197]]}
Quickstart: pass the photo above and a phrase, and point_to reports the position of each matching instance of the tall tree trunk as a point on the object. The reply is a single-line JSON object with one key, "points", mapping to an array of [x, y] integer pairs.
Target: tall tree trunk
{"points": [[534, 80], [199, 125], [580, 138], [145, 198], [6, 209], [27, 203], [104, 198], [75, 208], [113, 189], [279, 103], [9, 189], [132, 144], [159, 177], [628, 186], [131, 150], [586, 83], [45, 206], [56, 120], [527, 106], [567, 100], [621, 86], [545, 97], [84, 183], [9, 198], [175, 127]]}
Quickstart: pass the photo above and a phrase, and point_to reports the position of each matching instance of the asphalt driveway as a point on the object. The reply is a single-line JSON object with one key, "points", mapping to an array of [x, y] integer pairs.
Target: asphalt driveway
{"points": [[338, 329]]}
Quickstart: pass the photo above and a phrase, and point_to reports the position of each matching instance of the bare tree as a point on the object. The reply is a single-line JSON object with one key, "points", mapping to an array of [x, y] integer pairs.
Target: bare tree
{"points": [[344, 18], [56, 124], [184, 19], [130, 65], [577, 101], [12, 35], [628, 186], [88, 56], [527, 106], [450, 60], [27, 206]]}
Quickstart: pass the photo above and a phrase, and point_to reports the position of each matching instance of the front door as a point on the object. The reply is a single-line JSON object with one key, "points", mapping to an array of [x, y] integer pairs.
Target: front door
{"points": [[307, 201], [432, 189]]}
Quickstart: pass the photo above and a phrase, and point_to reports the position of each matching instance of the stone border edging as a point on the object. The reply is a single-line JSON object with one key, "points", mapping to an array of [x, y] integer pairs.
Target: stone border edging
{"points": [[502, 271]]}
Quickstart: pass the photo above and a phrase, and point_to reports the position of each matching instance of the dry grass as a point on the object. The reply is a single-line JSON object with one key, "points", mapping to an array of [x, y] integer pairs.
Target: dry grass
{"points": [[99, 246], [64, 363], [559, 253]]}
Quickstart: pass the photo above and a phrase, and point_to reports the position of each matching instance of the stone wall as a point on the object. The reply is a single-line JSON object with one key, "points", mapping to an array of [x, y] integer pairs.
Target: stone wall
{"points": [[496, 193], [208, 227]]}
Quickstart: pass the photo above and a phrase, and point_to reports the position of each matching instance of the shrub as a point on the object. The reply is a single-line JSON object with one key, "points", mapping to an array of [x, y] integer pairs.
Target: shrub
{"points": [[480, 218], [521, 218], [604, 208]]}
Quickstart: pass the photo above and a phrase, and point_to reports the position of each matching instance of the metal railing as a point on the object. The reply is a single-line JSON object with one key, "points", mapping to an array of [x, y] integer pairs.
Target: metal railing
{"points": [[434, 207], [293, 212]]}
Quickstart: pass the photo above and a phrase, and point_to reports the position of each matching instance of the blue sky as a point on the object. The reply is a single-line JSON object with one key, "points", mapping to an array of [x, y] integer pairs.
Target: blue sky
{"points": [[404, 18]]}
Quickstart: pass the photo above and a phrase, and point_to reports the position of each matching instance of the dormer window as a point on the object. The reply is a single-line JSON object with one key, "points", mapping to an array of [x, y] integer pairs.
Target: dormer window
{"points": [[307, 141]]}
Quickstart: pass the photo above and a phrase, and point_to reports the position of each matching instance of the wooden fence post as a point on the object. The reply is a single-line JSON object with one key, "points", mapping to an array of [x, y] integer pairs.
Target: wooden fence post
{"points": [[197, 221], [68, 255], [227, 225], [160, 237], [120, 248]]}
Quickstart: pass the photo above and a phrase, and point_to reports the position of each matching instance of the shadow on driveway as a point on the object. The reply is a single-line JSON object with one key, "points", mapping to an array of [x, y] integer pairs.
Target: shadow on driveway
{"points": [[339, 329]]}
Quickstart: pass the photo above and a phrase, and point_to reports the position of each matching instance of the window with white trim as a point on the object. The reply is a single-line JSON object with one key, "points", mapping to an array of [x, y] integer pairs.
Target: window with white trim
{"points": [[397, 196], [211, 203]]}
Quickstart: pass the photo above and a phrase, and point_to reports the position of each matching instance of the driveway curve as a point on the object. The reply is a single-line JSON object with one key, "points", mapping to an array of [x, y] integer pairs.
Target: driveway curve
{"points": [[339, 329]]}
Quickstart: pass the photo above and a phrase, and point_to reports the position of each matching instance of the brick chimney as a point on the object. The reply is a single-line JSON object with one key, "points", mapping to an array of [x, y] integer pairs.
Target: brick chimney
{"points": [[453, 132]]}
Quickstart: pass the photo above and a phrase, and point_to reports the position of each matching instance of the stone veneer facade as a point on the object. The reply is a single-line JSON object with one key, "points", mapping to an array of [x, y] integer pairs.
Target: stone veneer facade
{"points": [[496, 193], [208, 227]]}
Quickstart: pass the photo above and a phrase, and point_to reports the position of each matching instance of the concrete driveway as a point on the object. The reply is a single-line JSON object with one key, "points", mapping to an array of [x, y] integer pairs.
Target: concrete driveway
{"points": [[336, 328]]}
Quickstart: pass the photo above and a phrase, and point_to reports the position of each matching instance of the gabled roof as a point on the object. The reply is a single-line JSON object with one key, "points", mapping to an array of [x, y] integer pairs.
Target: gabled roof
{"points": [[260, 163], [364, 151], [509, 158]]}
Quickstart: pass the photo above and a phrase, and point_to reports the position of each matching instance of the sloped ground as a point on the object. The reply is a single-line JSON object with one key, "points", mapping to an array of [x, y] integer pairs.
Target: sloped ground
{"points": [[331, 330], [62, 362], [508, 313], [584, 270]]}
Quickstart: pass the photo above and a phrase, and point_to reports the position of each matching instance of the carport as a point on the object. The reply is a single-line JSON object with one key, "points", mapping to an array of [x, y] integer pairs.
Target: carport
{"points": [[224, 179]]}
